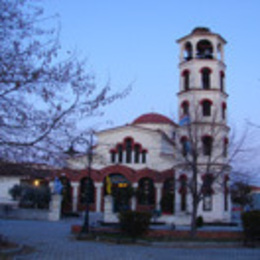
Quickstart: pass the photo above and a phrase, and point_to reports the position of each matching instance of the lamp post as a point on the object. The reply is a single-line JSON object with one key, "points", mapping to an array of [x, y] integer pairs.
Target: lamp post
{"points": [[71, 152], [85, 227]]}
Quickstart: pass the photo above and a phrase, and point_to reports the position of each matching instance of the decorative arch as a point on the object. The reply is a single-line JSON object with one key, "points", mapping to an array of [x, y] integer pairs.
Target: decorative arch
{"points": [[129, 173], [128, 152], [204, 49]]}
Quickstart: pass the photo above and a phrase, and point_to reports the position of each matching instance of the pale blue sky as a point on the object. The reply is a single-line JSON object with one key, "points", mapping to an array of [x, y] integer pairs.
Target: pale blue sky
{"points": [[135, 40]]}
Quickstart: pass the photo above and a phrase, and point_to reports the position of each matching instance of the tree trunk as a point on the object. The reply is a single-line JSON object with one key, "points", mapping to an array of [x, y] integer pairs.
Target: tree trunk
{"points": [[193, 228]]}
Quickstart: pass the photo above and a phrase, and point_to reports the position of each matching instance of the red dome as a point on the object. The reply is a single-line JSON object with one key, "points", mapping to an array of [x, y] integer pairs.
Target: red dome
{"points": [[153, 118]]}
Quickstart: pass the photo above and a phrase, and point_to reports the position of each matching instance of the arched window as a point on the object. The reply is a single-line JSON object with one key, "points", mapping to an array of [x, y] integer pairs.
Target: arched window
{"points": [[183, 192], [167, 201], [113, 156], [66, 203], [222, 80], [204, 50], [205, 78], [188, 51], [185, 146], [225, 147], [120, 153], [144, 152], [207, 145], [137, 150], [186, 80], [207, 191], [224, 107], [128, 152], [119, 187], [128, 145], [146, 193], [206, 107], [226, 191], [185, 107]]}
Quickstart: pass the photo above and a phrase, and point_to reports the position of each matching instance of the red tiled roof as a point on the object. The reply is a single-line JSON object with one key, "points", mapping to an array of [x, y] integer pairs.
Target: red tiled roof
{"points": [[153, 118]]}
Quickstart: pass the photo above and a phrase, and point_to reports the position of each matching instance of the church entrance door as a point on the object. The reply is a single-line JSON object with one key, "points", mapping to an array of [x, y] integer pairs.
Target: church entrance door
{"points": [[121, 191]]}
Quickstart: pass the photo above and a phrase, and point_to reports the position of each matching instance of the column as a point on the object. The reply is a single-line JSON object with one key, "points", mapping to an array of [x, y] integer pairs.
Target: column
{"points": [[75, 193], [215, 51], [158, 187], [98, 187], [133, 199]]}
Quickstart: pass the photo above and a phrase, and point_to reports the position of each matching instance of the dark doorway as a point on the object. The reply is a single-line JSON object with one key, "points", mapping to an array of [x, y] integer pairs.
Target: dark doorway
{"points": [[121, 191]]}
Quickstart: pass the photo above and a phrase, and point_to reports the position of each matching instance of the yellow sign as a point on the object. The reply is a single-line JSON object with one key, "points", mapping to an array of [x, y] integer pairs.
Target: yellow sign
{"points": [[122, 185], [108, 185]]}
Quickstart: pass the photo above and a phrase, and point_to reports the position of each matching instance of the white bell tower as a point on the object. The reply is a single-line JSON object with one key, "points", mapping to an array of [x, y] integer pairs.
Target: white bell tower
{"points": [[202, 108]]}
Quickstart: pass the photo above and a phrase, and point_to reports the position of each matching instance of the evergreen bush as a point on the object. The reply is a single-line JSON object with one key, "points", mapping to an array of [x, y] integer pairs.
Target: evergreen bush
{"points": [[199, 221], [251, 226], [134, 223], [30, 196]]}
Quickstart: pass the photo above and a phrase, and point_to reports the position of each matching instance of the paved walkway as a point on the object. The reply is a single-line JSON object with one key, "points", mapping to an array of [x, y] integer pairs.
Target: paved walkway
{"points": [[52, 240]]}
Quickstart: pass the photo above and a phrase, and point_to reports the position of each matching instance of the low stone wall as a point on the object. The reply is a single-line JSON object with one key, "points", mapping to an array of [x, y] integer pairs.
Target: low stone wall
{"points": [[9, 212], [200, 234], [172, 234]]}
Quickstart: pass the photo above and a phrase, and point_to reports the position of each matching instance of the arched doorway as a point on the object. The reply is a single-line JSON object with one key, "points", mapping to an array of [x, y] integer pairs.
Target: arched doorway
{"points": [[146, 194], [87, 193], [66, 203], [120, 188], [167, 201]]}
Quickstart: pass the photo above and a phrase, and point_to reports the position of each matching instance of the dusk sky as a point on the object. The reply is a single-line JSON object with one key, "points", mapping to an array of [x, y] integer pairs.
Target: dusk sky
{"points": [[135, 41]]}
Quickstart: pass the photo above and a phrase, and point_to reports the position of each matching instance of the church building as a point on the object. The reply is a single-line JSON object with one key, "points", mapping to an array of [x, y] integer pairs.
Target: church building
{"points": [[147, 165]]}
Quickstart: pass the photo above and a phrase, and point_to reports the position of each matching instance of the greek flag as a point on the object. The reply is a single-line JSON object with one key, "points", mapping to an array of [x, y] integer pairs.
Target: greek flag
{"points": [[57, 186], [187, 146], [185, 120]]}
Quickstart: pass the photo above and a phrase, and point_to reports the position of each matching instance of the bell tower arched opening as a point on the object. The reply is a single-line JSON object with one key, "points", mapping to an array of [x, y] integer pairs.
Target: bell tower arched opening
{"points": [[204, 49]]}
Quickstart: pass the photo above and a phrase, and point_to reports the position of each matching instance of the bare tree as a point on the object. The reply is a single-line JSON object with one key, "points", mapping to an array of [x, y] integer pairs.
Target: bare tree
{"points": [[42, 95], [204, 153]]}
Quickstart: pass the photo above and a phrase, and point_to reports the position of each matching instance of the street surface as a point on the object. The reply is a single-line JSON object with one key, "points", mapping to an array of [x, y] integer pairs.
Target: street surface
{"points": [[53, 241]]}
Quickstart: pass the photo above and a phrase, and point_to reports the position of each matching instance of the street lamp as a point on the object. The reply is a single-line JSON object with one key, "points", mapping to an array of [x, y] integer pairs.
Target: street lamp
{"points": [[71, 152]]}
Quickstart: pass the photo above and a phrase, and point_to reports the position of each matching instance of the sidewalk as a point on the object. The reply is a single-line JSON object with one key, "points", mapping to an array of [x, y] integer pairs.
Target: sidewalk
{"points": [[53, 241]]}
